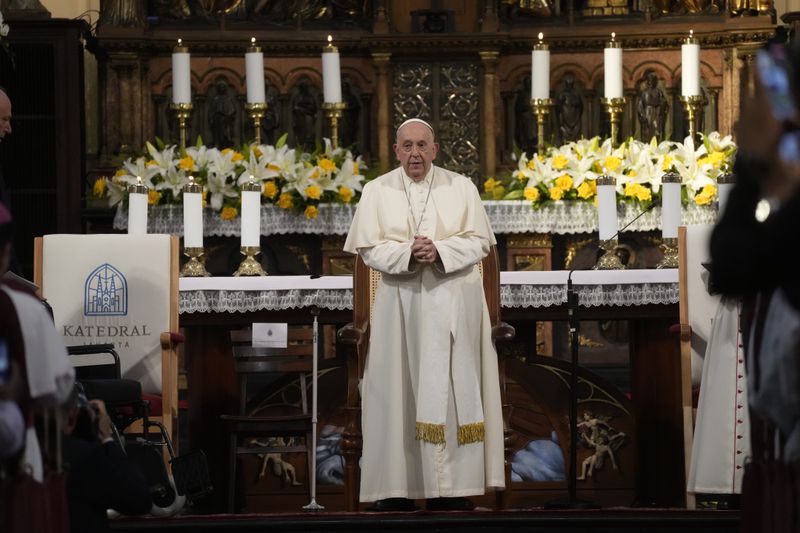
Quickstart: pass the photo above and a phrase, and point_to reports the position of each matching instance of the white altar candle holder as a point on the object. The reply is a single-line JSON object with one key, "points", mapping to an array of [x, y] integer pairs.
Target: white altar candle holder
{"points": [[613, 100], [256, 105], [181, 88], [137, 208], [251, 230], [332, 89], [691, 98], [540, 89], [193, 230], [607, 224], [670, 219]]}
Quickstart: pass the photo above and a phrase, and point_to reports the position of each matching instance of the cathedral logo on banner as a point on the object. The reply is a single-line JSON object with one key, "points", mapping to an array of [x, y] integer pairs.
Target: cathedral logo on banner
{"points": [[105, 292]]}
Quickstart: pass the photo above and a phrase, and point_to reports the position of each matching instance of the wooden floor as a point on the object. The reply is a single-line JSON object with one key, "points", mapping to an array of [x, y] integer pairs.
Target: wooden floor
{"points": [[529, 520]]}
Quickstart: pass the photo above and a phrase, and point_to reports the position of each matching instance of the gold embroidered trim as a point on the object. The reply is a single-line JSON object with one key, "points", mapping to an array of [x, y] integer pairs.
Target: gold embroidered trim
{"points": [[469, 433], [433, 433]]}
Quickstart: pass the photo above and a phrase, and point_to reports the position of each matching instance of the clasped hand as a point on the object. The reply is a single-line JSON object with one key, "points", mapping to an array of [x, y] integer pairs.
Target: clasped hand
{"points": [[423, 250]]}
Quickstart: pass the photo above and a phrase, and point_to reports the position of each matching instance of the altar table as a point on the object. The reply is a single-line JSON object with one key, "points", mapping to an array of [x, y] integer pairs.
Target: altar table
{"points": [[648, 299]]}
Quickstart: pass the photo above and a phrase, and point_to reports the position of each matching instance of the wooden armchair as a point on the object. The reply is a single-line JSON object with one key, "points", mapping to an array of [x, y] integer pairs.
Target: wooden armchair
{"points": [[356, 335]]}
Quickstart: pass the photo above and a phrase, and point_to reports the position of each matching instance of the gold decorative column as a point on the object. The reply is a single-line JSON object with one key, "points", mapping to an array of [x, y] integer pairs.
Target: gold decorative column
{"points": [[541, 109], [489, 60], [256, 110], [333, 112], [693, 105], [614, 108]]}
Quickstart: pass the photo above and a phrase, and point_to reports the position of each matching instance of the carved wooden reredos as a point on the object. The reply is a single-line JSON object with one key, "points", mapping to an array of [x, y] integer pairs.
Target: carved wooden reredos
{"points": [[462, 65]]}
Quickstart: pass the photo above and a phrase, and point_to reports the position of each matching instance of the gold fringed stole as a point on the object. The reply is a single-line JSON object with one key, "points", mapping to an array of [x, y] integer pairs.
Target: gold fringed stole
{"points": [[434, 433]]}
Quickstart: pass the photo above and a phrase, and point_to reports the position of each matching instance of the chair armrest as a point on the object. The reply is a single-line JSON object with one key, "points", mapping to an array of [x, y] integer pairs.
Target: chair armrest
{"points": [[351, 334], [171, 339], [503, 332]]}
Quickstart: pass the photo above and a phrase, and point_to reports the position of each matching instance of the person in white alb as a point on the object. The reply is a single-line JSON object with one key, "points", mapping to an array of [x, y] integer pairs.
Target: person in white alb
{"points": [[431, 412]]}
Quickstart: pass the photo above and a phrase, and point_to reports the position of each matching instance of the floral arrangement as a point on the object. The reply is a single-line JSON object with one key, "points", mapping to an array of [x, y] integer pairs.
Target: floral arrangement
{"points": [[570, 172], [298, 181]]}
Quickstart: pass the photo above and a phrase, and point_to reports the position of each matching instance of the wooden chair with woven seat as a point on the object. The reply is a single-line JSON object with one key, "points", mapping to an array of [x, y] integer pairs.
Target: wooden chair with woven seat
{"points": [[356, 335], [285, 419]]}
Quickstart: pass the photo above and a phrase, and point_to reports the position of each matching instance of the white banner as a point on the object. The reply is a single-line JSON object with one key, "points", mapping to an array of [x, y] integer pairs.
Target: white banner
{"points": [[112, 289]]}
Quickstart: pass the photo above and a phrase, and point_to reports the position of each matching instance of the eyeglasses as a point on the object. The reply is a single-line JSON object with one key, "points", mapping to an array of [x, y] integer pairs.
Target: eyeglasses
{"points": [[421, 148]]}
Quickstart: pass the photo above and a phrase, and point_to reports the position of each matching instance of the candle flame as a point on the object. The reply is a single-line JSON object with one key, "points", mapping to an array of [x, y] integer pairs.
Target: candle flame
{"points": [[252, 40], [691, 33], [330, 39], [180, 41], [191, 180], [613, 35], [252, 178], [541, 36], [138, 180]]}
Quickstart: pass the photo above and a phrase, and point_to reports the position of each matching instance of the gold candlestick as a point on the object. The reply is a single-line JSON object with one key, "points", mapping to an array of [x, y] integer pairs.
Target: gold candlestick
{"points": [[194, 267], [541, 108], [609, 260], [249, 266], [614, 108], [256, 110], [182, 110], [669, 247], [334, 110], [692, 105]]}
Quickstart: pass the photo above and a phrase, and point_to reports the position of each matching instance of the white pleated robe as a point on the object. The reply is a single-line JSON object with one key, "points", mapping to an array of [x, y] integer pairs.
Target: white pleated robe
{"points": [[414, 312]]}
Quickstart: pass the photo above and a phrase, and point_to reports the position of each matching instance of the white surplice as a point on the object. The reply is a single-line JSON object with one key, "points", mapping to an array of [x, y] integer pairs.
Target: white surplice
{"points": [[721, 443], [431, 357]]}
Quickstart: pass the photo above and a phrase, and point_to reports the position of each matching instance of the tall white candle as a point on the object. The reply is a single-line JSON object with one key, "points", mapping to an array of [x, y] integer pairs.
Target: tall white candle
{"points": [[670, 205], [137, 208], [181, 74], [612, 67], [606, 207], [331, 74], [690, 66], [540, 70], [192, 215], [251, 214], [254, 69]]}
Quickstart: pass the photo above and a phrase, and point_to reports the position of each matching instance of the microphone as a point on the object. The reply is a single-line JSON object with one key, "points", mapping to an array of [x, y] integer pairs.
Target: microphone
{"points": [[601, 248]]}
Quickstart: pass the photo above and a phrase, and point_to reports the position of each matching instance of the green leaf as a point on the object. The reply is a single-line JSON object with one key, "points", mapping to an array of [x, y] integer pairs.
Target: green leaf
{"points": [[159, 143], [282, 140], [514, 195], [199, 143]]}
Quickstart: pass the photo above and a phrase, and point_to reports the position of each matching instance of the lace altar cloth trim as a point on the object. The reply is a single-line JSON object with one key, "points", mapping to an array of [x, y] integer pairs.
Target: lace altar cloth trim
{"points": [[511, 216], [232, 301]]}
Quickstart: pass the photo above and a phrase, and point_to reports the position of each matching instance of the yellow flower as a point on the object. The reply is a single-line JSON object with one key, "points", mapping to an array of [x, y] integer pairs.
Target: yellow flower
{"points": [[311, 211], [99, 188], [490, 184], [313, 192], [229, 213], [153, 197], [556, 193], [632, 173], [205, 198], [120, 172], [560, 162], [187, 163], [715, 158], [531, 193], [612, 162], [564, 182], [273, 166], [498, 192], [705, 196], [315, 174], [585, 189], [326, 164], [631, 189], [270, 189], [285, 200], [532, 164], [345, 193], [237, 156], [151, 163], [644, 194], [666, 165]]}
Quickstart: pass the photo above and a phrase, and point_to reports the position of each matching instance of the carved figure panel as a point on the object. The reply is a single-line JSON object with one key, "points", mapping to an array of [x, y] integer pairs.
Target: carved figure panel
{"points": [[524, 120], [459, 118], [305, 111], [651, 107], [569, 110], [128, 13], [221, 111]]}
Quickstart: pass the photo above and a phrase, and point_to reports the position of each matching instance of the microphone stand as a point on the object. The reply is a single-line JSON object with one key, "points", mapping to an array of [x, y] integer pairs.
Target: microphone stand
{"points": [[572, 501]]}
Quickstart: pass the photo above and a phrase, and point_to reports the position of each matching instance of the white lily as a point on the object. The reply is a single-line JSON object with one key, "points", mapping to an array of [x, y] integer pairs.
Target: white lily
{"points": [[174, 181], [139, 169]]}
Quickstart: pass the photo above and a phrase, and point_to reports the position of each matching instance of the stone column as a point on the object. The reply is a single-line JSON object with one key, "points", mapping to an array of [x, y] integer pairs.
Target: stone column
{"points": [[381, 60], [489, 144]]}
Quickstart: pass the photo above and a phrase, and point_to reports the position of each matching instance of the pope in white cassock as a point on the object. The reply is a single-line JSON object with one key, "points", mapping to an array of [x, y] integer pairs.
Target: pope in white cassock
{"points": [[431, 412]]}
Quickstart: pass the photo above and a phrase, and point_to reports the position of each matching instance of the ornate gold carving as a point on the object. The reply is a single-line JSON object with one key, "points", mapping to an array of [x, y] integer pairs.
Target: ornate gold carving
{"points": [[534, 240], [529, 262], [572, 250]]}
